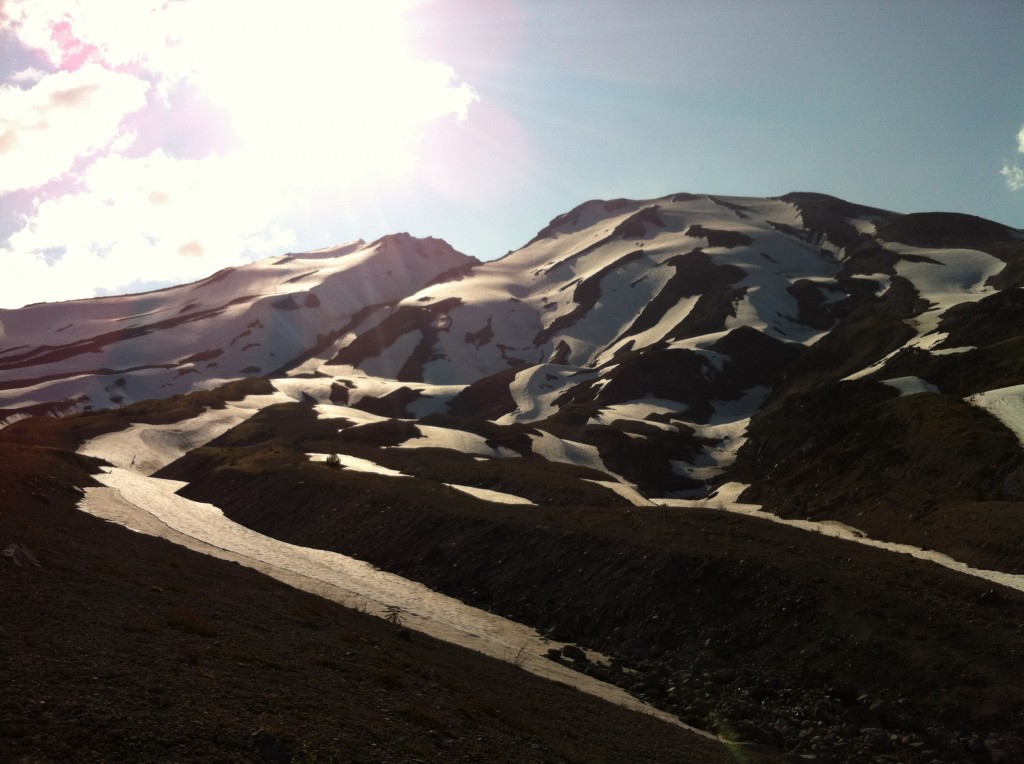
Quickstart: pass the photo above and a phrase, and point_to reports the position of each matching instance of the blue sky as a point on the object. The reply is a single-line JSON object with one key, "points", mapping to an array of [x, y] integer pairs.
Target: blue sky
{"points": [[167, 140]]}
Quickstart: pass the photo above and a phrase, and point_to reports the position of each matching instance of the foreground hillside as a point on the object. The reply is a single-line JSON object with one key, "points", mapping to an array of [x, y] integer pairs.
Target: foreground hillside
{"points": [[783, 640], [750, 628], [122, 647]]}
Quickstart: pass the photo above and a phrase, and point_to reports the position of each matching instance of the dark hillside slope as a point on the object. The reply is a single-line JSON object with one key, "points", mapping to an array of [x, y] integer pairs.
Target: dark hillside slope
{"points": [[932, 469], [124, 648], [925, 469], [727, 621]]}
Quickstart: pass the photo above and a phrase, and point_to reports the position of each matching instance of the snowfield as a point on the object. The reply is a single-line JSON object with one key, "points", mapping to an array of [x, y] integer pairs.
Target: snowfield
{"points": [[146, 448], [455, 440], [485, 494], [1006, 405]]}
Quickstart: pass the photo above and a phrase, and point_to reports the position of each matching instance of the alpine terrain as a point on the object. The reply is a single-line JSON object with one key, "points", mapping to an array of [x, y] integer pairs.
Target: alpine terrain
{"points": [[758, 462]]}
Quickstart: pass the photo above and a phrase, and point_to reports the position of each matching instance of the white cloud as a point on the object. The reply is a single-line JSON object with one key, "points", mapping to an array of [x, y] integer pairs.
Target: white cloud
{"points": [[71, 32], [65, 115], [147, 220], [321, 99], [1014, 173]]}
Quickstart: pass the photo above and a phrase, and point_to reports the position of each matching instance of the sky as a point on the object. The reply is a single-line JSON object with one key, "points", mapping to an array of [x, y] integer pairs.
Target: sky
{"points": [[150, 142]]}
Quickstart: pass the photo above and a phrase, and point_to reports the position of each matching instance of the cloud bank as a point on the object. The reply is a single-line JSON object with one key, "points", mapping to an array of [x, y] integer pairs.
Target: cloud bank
{"points": [[166, 140]]}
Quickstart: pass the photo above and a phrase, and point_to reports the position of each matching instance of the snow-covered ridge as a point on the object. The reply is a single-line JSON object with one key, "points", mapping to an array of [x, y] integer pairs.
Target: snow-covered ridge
{"points": [[658, 326], [245, 321]]}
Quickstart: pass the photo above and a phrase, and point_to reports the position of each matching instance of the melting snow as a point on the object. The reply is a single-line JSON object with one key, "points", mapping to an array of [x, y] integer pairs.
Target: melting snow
{"points": [[863, 226], [673, 317], [497, 497], [954, 351], [257, 316], [1006, 404], [627, 491], [640, 410], [355, 416], [945, 278], [146, 447], [555, 449], [455, 440], [148, 505], [356, 464], [910, 385]]}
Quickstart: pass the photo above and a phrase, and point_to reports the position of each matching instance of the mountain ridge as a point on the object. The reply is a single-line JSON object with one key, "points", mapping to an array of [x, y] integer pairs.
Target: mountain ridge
{"points": [[703, 306]]}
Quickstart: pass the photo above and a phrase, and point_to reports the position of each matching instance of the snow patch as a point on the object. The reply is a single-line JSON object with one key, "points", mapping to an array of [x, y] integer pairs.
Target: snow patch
{"points": [[628, 491], [356, 464], [455, 440], [393, 357], [146, 448], [863, 226], [945, 277], [1006, 404], [640, 410], [355, 416], [498, 497], [555, 449], [535, 389], [150, 506], [910, 385], [954, 351]]}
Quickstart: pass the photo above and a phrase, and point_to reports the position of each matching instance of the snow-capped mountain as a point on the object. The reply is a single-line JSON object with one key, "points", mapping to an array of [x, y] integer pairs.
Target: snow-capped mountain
{"points": [[248, 321], [647, 333], [766, 454]]}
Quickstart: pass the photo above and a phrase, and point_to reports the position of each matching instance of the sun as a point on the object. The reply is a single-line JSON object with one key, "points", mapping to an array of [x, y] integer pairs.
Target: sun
{"points": [[309, 87], [319, 87], [163, 139]]}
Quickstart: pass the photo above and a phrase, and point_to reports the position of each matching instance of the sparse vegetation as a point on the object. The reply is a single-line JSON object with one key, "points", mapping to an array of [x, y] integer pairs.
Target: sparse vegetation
{"points": [[519, 656], [393, 614]]}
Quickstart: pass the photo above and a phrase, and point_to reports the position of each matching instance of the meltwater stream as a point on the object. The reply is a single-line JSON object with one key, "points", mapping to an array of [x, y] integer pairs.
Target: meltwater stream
{"points": [[149, 505]]}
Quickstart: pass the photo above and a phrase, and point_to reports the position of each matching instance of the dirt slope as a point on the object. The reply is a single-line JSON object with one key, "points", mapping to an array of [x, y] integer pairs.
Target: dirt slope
{"points": [[735, 624], [121, 647]]}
